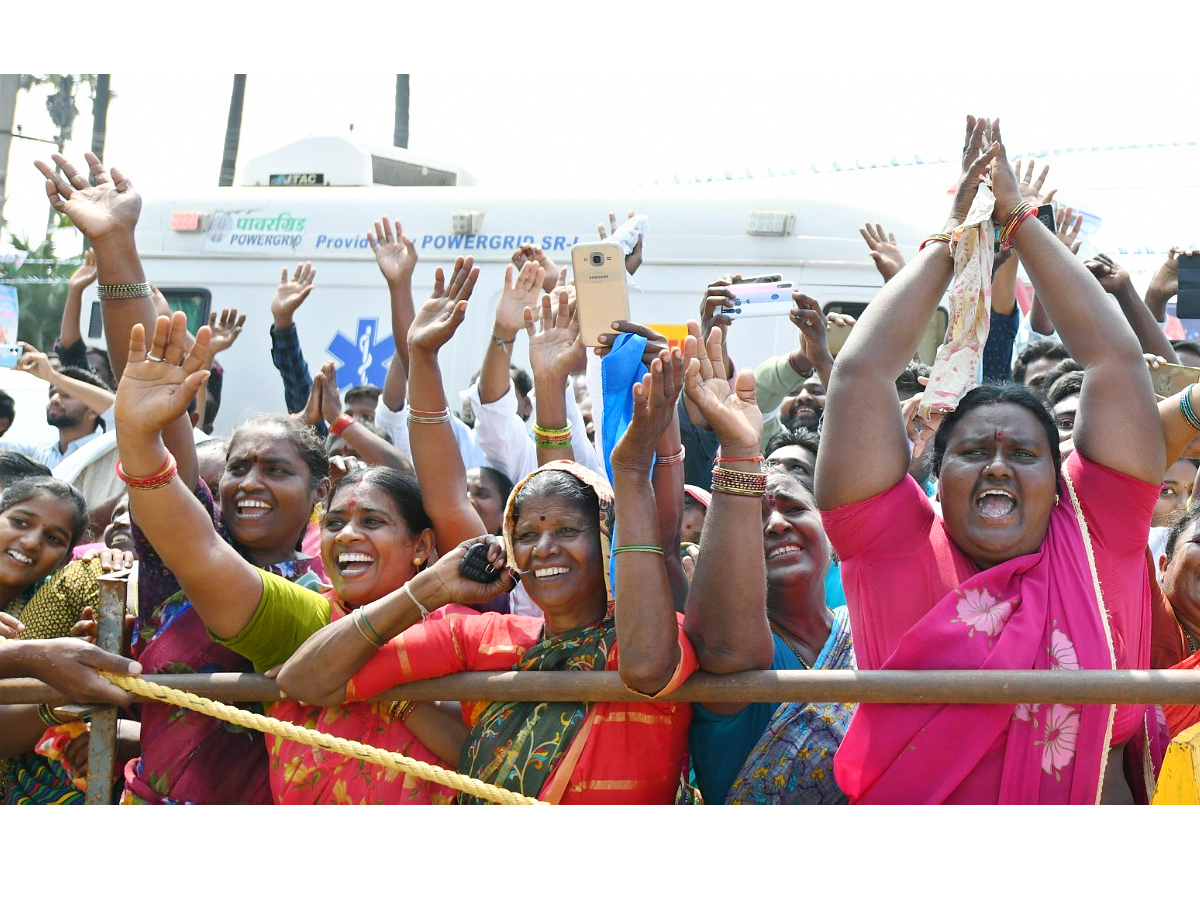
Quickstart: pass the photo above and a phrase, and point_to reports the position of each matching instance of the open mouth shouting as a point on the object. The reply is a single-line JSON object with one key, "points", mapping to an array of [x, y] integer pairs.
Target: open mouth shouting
{"points": [[252, 508], [995, 504]]}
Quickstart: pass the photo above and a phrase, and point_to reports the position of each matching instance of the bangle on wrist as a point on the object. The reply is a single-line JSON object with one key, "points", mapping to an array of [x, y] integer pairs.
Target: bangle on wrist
{"points": [[942, 237], [123, 291], [552, 438], [162, 476], [1016, 218], [344, 421], [501, 342], [1189, 412], [402, 709], [46, 714], [673, 459], [421, 417]]}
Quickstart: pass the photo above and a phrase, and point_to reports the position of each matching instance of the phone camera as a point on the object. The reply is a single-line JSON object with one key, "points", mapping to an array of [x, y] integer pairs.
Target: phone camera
{"points": [[597, 258]]}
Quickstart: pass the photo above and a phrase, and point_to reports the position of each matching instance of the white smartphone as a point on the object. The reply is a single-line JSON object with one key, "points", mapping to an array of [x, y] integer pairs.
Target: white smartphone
{"points": [[601, 296], [761, 299]]}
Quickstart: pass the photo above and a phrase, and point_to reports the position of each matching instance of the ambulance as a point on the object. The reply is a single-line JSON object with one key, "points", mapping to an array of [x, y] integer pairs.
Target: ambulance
{"points": [[316, 199]]}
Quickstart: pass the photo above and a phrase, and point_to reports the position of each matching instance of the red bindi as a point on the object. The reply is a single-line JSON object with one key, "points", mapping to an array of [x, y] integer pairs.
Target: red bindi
{"points": [[541, 518]]}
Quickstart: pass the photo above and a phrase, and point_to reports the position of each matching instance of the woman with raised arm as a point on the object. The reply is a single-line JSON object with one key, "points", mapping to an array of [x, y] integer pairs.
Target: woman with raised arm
{"points": [[375, 536], [275, 472], [556, 534], [743, 615], [1031, 564]]}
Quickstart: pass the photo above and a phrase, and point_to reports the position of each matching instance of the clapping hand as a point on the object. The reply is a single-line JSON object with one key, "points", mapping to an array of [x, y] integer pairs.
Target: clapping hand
{"points": [[979, 152], [440, 315]]}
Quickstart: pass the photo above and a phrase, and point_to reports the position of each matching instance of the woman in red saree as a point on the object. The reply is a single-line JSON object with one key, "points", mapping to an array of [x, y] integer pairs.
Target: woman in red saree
{"points": [[1028, 567], [556, 533]]}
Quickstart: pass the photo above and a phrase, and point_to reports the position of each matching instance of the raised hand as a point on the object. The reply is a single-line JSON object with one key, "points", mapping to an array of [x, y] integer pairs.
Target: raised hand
{"points": [[440, 315], [1031, 188], [633, 259], [814, 332], [555, 348], [654, 399], [717, 298], [731, 412], [290, 293], [518, 293], [980, 150], [885, 252], [1067, 226], [394, 252], [1165, 283], [35, 362], [158, 383], [1004, 179], [655, 342], [533, 253], [84, 274], [225, 330], [110, 209], [1112, 277]]}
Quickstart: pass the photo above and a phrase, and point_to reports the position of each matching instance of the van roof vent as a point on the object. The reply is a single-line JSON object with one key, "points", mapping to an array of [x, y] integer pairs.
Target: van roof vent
{"points": [[335, 161]]}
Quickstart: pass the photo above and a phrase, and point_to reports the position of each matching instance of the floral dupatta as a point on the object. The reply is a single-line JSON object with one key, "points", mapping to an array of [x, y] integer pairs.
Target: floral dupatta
{"points": [[793, 761], [517, 744], [1043, 610]]}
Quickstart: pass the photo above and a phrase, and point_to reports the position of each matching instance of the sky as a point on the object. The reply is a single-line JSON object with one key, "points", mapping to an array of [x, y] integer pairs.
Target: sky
{"points": [[679, 97]]}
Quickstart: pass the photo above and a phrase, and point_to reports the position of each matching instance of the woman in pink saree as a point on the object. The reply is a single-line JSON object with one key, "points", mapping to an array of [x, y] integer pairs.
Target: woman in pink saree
{"points": [[1032, 564]]}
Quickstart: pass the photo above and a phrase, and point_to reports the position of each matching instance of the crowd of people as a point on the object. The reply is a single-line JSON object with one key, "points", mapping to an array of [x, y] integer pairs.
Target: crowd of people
{"points": [[1019, 504]]}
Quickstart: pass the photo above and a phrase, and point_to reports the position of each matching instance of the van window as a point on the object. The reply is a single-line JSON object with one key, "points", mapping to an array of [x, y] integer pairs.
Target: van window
{"points": [[195, 302]]}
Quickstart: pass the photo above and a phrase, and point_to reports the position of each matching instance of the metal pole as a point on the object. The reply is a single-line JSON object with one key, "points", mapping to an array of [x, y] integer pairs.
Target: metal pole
{"points": [[1145, 686], [233, 132], [400, 129], [102, 746]]}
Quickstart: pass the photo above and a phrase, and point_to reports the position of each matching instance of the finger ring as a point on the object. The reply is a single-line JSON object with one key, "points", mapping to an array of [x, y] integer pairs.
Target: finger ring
{"points": [[153, 358]]}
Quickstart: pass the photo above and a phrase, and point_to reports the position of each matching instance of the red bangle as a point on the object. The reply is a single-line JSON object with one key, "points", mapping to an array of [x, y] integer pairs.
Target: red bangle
{"points": [[721, 459], [164, 475], [344, 421]]}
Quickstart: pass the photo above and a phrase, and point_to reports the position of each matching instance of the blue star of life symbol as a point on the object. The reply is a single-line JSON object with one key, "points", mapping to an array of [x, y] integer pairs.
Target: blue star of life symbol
{"points": [[364, 358]]}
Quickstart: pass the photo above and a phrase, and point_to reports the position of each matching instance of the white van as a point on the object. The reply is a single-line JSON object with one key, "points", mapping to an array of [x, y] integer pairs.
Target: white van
{"points": [[227, 248]]}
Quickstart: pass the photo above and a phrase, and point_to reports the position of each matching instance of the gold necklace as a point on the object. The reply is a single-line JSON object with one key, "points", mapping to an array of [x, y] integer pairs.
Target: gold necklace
{"points": [[783, 637]]}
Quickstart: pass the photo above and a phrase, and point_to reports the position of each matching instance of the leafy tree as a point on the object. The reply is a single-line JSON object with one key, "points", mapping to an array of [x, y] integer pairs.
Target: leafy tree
{"points": [[41, 284]]}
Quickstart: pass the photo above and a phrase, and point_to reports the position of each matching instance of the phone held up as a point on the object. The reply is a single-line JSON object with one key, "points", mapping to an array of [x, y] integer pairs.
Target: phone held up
{"points": [[601, 295], [10, 354], [1187, 303]]}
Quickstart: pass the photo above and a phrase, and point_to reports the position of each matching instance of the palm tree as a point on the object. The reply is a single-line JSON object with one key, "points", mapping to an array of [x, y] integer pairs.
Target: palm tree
{"points": [[233, 131]]}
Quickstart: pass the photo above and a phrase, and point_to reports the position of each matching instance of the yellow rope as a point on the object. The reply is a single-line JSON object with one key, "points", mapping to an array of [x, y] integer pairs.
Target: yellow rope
{"points": [[292, 732]]}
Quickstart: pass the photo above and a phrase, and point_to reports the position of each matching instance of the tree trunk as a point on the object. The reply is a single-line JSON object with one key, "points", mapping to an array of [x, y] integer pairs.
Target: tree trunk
{"points": [[100, 116], [233, 131], [8, 116]]}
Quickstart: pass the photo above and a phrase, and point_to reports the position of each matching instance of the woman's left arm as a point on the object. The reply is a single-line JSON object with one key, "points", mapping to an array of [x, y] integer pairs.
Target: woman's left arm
{"points": [[1118, 423], [320, 670], [647, 627]]}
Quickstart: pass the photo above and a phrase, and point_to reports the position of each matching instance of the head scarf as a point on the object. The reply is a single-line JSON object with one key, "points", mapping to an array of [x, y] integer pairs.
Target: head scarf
{"points": [[603, 492]]}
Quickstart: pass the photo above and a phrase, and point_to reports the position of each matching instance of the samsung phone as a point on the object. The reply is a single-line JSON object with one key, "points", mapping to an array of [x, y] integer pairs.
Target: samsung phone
{"points": [[1187, 304], [1170, 379], [601, 296], [9, 354], [767, 298]]}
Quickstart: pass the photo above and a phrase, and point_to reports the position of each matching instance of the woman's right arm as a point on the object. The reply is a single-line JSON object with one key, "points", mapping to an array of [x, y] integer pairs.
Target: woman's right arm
{"points": [[726, 613], [862, 415], [435, 452], [224, 589], [107, 214]]}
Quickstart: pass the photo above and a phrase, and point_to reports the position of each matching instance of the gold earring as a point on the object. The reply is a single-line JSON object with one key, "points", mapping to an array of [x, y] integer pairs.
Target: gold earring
{"points": [[417, 562]]}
